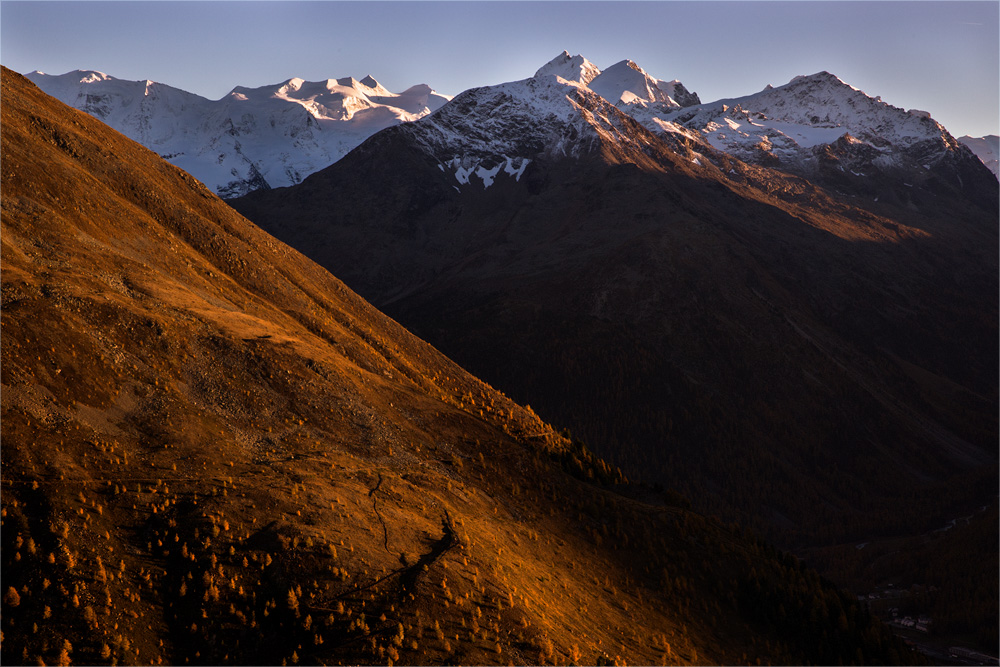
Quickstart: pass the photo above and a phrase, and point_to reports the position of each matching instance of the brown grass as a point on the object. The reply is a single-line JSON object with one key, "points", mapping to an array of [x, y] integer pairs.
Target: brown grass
{"points": [[213, 452]]}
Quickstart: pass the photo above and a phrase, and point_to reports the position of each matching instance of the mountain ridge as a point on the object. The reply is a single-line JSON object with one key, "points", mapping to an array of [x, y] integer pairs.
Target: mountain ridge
{"points": [[234, 167], [791, 126], [251, 138]]}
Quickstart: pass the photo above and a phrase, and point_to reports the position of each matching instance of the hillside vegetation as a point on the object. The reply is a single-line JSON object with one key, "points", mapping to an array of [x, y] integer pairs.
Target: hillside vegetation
{"points": [[215, 453]]}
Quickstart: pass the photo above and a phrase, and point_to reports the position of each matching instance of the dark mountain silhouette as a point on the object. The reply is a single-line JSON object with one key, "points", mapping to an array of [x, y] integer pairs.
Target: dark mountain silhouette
{"points": [[777, 351], [214, 452]]}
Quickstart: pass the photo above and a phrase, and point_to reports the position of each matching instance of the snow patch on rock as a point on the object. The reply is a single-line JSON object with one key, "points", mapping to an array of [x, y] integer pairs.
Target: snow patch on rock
{"points": [[466, 166]]}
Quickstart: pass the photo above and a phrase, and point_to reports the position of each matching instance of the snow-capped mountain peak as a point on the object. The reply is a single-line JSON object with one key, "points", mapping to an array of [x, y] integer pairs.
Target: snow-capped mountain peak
{"points": [[494, 133], [275, 135], [370, 83], [252, 138], [573, 69], [624, 84], [83, 75], [792, 126], [823, 101], [819, 78], [93, 76], [292, 84], [627, 83], [816, 125]]}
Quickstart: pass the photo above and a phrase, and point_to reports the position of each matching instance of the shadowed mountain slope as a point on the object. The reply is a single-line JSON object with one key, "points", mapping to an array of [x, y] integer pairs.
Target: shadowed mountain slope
{"points": [[733, 331], [818, 363], [813, 362], [214, 452]]}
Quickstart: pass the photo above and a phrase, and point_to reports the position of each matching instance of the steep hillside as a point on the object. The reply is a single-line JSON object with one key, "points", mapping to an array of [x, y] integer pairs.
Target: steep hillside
{"points": [[214, 452]]}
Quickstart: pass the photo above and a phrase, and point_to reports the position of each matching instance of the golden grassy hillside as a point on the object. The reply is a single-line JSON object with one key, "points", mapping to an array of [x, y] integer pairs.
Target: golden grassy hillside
{"points": [[214, 453]]}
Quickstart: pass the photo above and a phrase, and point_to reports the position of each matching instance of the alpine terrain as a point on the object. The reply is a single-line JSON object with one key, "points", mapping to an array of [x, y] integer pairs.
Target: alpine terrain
{"points": [[986, 149], [784, 306], [253, 137], [214, 452], [834, 134]]}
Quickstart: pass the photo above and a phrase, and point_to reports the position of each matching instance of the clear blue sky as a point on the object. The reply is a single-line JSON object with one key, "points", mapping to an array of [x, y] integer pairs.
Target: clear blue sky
{"points": [[943, 57]]}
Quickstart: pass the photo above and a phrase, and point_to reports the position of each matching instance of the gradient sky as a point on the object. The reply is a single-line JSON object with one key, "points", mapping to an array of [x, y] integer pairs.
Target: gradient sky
{"points": [[942, 57]]}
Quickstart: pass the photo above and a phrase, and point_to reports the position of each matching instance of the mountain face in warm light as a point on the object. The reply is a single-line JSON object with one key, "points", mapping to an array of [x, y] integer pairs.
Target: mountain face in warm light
{"points": [[817, 358], [252, 138], [216, 453], [571, 68], [629, 86]]}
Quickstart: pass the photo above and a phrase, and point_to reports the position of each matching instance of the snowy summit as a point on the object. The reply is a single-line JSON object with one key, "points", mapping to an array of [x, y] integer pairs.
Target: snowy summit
{"points": [[277, 135], [252, 138], [573, 69]]}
